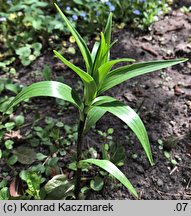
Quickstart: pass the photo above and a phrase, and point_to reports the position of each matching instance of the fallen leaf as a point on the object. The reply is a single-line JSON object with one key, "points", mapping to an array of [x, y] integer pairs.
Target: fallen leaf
{"points": [[25, 155], [59, 67], [13, 135], [178, 91], [16, 187]]}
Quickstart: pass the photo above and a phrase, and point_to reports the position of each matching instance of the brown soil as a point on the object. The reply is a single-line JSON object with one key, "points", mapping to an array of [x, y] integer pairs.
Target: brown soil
{"points": [[163, 101]]}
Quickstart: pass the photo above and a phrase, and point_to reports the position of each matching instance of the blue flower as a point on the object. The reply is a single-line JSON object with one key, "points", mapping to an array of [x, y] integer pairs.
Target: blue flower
{"points": [[111, 8], [141, 0], [74, 17], [108, 3], [68, 8], [160, 12], [83, 15], [136, 12]]}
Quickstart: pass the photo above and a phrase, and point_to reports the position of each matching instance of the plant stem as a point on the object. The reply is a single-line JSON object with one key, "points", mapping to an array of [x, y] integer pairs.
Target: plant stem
{"points": [[79, 154]]}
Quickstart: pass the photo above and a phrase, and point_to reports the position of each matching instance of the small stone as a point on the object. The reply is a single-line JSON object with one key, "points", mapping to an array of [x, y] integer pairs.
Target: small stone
{"points": [[170, 142], [140, 169], [160, 183], [172, 123]]}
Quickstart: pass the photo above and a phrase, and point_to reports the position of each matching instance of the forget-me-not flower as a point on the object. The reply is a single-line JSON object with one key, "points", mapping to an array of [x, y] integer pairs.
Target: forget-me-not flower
{"points": [[110, 5], [136, 12], [74, 17], [68, 8], [83, 15], [160, 12]]}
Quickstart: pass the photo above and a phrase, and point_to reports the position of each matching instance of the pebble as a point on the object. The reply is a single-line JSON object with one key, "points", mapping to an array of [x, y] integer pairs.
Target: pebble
{"points": [[140, 169], [160, 183]]}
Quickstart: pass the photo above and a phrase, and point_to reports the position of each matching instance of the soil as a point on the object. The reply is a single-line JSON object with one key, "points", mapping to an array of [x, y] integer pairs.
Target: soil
{"points": [[163, 100]]}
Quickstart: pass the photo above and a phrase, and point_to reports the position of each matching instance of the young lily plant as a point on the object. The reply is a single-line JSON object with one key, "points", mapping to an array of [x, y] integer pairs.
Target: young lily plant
{"points": [[97, 79]]}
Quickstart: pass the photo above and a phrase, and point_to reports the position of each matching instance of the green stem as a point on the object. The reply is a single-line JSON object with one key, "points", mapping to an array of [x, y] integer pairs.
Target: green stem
{"points": [[79, 155]]}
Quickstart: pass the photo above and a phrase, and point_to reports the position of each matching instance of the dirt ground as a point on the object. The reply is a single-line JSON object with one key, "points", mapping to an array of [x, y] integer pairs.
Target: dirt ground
{"points": [[163, 100]]}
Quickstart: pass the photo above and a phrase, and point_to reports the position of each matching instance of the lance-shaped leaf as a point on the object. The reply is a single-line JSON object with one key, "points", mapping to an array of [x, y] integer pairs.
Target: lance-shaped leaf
{"points": [[100, 57], [94, 50], [89, 83], [114, 171], [49, 89], [107, 34], [94, 114], [124, 73], [130, 117], [104, 69], [79, 40], [102, 51]]}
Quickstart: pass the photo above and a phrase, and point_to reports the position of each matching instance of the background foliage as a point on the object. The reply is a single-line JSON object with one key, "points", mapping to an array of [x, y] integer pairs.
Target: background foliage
{"points": [[27, 25]]}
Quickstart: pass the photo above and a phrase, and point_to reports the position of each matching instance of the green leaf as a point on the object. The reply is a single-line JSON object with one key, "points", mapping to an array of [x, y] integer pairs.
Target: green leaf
{"points": [[99, 58], [17, 7], [110, 130], [36, 24], [94, 50], [60, 124], [117, 154], [79, 40], [32, 57], [19, 120], [25, 61], [2, 86], [9, 126], [106, 67], [33, 181], [94, 114], [124, 73], [167, 154], [47, 73], [59, 188], [37, 47], [40, 156], [49, 89], [12, 160], [105, 153], [89, 83], [107, 33], [174, 162], [1, 153], [3, 182], [129, 116], [97, 183], [114, 171], [23, 52], [25, 155], [9, 144], [4, 193], [78, 2], [12, 87]]}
